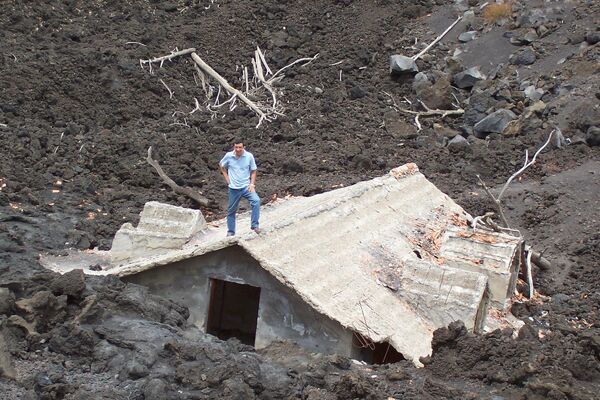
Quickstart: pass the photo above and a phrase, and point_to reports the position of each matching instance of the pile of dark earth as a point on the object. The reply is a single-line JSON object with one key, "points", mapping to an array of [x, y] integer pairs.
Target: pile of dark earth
{"points": [[78, 113]]}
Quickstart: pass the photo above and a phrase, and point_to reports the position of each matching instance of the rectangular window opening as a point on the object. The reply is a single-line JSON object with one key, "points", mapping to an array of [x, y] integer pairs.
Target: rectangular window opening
{"points": [[233, 311]]}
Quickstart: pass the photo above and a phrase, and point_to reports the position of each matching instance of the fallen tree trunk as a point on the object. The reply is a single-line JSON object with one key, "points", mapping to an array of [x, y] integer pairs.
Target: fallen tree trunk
{"points": [[186, 191]]}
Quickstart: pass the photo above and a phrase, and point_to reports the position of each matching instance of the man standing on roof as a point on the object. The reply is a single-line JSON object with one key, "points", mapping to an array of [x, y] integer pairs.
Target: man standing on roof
{"points": [[239, 170]]}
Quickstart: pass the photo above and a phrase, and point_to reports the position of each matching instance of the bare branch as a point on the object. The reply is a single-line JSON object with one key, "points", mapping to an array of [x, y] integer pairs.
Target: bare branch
{"points": [[165, 85], [496, 201], [526, 165], [428, 111], [192, 194], [437, 39], [307, 60], [223, 83], [529, 275], [162, 59]]}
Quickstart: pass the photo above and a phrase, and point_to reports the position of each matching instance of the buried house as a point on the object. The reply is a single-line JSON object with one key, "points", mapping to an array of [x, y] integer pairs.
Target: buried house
{"points": [[368, 271]]}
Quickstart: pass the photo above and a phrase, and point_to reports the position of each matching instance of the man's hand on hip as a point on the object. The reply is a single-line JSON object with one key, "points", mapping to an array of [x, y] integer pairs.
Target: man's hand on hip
{"points": [[251, 188]]}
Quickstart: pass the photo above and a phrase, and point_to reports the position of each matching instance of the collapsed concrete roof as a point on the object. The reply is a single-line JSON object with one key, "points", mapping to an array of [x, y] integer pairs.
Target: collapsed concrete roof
{"points": [[392, 258]]}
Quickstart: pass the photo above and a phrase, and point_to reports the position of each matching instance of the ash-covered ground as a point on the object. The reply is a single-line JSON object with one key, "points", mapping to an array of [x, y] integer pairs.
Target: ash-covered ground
{"points": [[78, 113]]}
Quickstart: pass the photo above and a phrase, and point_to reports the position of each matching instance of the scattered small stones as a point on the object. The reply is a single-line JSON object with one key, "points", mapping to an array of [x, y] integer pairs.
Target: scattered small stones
{"points": [[468, 78], [496, 122]]}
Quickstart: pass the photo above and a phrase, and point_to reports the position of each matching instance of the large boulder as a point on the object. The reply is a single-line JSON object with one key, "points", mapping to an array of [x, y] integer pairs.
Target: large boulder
{"points": [[496, 122]]}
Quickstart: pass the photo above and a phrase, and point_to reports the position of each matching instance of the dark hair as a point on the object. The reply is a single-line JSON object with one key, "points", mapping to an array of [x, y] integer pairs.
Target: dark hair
{"points": [[238, 139]]}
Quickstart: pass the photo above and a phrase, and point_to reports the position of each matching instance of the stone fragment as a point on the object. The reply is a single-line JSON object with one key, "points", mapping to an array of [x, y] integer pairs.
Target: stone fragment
{"points": [[155, 389], [396, 127], [72, 284], [357, 92], [585, 115], [468, 78], [523, 57], [401, 64], [592, 37], [445, 131], [458, 142], [532, 93], [467, 36], [6, 366], [496, 122], [469, 18], [7, 301], [592, 136]]}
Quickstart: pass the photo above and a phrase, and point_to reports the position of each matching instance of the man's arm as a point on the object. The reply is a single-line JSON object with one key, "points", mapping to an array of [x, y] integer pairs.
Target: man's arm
{"points": [[251, 188], [224, 172]]}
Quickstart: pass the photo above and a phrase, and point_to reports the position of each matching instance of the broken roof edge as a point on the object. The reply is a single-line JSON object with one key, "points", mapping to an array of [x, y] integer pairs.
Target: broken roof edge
{"points": [[412, 351]]}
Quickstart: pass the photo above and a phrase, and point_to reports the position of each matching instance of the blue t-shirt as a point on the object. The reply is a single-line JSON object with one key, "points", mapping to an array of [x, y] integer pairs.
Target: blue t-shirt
{"points": [[239, 169]]}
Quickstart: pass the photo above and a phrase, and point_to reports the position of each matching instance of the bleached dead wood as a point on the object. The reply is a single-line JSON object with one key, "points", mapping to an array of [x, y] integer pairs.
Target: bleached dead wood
{"points": [[529, 274], [437, 39], [225, 85], [526, 165], [532, 256], [427, 113], [189, 192], [161, 60], [168, 89], [306, 60]]}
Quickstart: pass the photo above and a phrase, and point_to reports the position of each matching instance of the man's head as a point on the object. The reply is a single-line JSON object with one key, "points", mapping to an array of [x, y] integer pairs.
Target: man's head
{"points": [[238, 147]]}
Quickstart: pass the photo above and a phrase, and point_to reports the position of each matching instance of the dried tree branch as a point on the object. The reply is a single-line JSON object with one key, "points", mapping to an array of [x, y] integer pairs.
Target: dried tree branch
{"points": [[529, 274], [165, 85], [437, 39], [526, 165], [428, 111], [162, 59], [233, 91], [308, 60], [189, 192], [496, 201]]}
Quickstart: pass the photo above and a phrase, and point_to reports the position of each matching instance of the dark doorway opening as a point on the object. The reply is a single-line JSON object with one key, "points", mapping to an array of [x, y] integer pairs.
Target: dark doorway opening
{"points": [[232, 311], [375, 353]]}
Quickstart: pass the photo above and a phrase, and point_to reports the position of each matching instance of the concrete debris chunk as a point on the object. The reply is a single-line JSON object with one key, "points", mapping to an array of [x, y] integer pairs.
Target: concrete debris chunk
{"points": [[496, 122], [162, 227], [468, 78], [401, 64]]}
